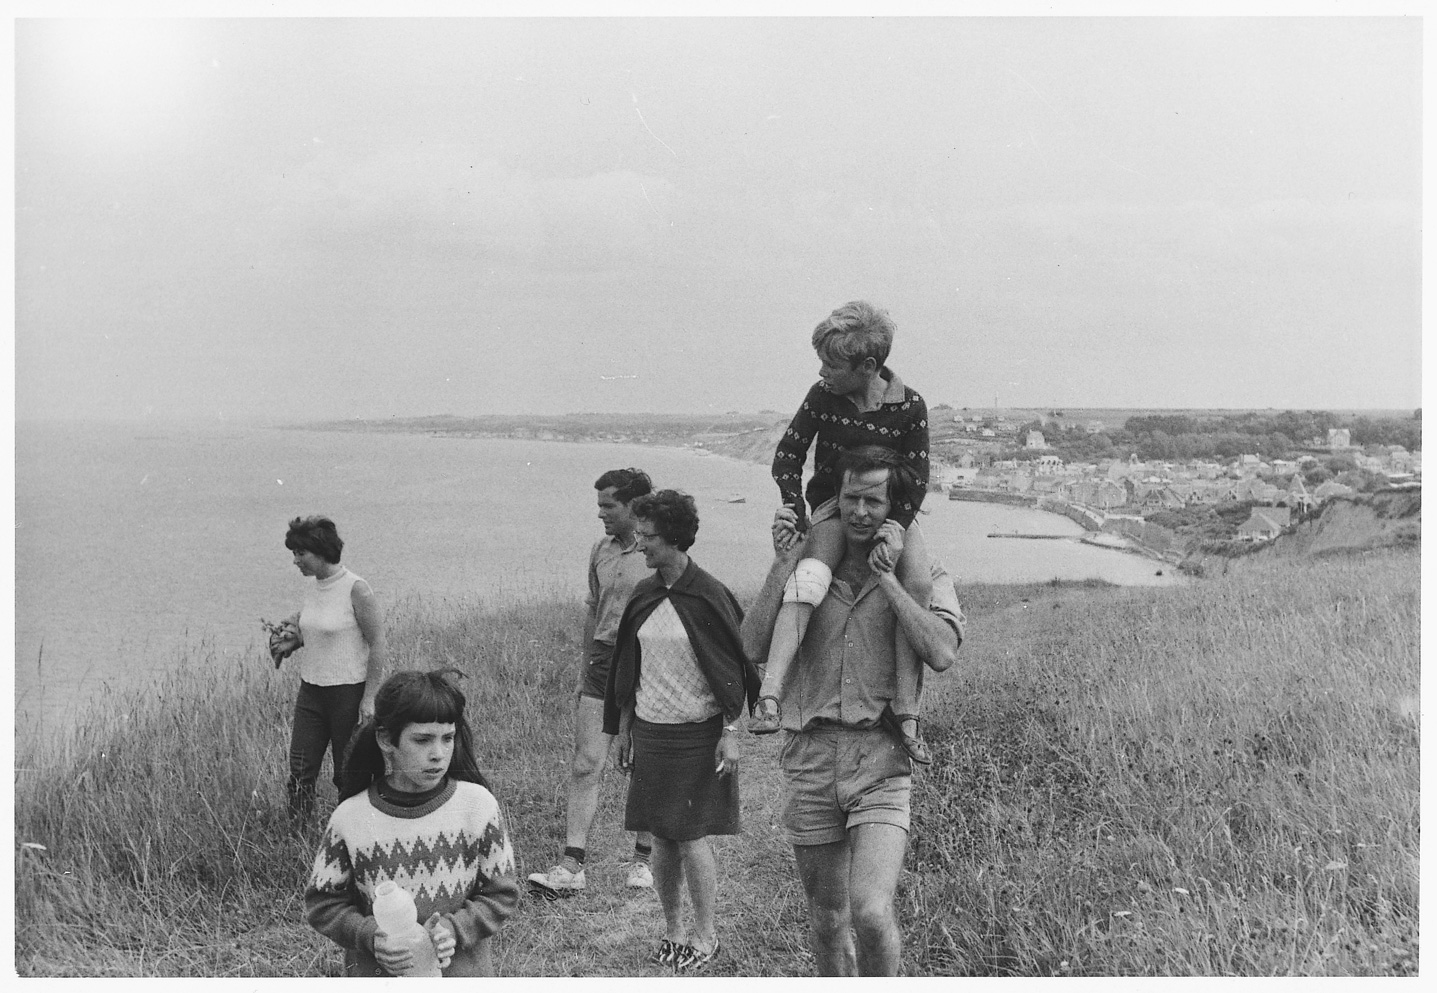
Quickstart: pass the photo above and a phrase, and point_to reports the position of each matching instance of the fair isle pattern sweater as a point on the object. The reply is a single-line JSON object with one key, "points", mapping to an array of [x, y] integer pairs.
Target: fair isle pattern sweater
{"points": [[899, 423], [451, 853]]}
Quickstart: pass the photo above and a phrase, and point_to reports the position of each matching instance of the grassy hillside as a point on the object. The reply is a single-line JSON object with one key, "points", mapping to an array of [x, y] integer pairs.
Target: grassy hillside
{"points": [[1209, 779]]}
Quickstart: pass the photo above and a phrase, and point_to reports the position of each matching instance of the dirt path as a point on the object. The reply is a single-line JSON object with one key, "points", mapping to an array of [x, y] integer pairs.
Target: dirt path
{"points": [[610, 930]]}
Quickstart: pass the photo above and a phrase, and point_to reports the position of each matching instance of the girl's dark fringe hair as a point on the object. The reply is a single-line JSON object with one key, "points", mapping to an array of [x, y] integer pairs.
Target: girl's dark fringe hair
{"points": [[406, 698]]}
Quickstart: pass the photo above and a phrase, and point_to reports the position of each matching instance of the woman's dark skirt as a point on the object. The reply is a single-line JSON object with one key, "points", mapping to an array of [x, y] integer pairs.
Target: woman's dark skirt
{"points": [[673, 791]]}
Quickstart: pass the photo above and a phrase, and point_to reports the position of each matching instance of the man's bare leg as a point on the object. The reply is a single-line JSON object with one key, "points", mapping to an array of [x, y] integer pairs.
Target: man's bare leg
{"points": [[875, 861], [586, 772], [823, 870]]}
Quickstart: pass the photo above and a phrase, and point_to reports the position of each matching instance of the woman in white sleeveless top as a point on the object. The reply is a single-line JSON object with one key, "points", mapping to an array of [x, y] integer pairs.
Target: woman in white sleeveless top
{"points": [[341, 629]]}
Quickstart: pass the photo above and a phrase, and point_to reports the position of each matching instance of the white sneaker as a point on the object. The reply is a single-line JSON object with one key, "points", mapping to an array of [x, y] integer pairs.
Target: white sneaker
{"points": [[639, 878], [560, 879]]}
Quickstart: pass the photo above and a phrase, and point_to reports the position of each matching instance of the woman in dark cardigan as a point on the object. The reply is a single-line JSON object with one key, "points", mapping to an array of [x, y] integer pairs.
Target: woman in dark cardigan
{"points": [[679, 680]]}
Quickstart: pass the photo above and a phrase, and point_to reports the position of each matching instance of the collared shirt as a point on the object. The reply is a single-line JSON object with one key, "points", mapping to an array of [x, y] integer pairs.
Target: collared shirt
{"points": [[845, 670], [613, 572]]}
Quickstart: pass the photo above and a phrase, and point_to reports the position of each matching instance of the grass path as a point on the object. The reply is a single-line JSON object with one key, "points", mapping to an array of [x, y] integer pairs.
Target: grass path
{"points": [[762, 914], [610, 930]]}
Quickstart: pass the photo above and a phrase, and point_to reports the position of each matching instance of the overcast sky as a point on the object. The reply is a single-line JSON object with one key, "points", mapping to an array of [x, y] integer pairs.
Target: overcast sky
{"points": [[296, 219]]}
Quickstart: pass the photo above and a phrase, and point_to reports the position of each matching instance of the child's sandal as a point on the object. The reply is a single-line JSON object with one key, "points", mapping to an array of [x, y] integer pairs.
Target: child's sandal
{"points": [[913, 745], [768, 722]]}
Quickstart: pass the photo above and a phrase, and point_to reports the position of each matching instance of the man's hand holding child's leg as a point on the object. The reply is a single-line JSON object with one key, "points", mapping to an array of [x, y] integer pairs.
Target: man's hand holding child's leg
{"points": [[785, 528], [887, 548]]}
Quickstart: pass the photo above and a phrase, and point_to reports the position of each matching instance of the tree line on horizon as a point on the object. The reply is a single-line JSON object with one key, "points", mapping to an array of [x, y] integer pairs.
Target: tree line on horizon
{"points": [[1184, 437]]}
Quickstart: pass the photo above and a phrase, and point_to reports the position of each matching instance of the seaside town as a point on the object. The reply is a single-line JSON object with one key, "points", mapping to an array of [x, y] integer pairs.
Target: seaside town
{"points": [[1160, 505]]}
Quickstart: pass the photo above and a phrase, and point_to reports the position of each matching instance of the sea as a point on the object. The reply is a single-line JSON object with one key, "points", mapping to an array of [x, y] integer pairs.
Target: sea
{"points": [[137, 545]]}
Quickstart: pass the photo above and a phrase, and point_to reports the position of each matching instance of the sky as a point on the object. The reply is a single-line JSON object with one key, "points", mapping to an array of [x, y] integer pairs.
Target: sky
{"points": [[300, 219]]}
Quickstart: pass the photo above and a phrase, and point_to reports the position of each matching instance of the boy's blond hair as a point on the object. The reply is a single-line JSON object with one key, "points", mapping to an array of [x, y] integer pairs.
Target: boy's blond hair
{"points": [[854, 332]]}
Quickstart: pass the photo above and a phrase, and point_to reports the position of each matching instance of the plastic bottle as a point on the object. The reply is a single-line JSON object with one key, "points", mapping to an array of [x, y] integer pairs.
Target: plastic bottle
{"points": [[397, 917]]}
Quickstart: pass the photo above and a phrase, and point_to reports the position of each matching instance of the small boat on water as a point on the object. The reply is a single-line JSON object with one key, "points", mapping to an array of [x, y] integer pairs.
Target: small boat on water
{"points": [[735, 498]]}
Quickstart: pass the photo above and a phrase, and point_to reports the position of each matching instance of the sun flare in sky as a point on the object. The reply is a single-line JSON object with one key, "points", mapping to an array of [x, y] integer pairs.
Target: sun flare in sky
{"points": [[120, 77]]}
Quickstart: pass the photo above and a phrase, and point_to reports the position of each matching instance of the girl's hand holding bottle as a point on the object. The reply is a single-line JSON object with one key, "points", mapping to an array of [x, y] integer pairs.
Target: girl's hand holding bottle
{"points": [[393, 953], [443, 937]]}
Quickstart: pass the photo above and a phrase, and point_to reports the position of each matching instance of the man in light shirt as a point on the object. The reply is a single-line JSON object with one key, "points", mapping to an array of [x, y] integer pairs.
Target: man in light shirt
{"points": [[846, 779], [616, 564]]}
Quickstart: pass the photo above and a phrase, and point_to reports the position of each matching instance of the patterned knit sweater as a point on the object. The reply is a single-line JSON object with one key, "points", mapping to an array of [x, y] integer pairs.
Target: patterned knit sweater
{"points": [[899, 423], [452, 853]]}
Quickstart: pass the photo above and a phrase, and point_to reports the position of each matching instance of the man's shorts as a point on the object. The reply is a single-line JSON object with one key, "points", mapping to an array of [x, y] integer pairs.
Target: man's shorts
{"points": [[596, 670], [836, 778]]}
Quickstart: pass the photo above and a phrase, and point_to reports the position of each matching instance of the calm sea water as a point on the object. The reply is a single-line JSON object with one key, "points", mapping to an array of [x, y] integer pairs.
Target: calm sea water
{"points": [[133, 543]]}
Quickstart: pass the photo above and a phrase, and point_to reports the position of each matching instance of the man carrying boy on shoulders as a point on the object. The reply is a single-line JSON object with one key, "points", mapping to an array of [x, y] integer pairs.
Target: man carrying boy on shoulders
{"points": [[846, 781]]}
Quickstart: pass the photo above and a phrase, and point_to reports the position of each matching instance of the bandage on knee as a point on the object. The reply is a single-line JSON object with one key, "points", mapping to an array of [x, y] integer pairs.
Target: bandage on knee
{"points": [[808, 583]]}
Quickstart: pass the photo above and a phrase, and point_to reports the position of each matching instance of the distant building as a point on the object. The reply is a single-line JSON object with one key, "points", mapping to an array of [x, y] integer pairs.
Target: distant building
{"points": [[1299, 497], [1265, 524], [1095, 427], [1339, 438], [1035, 440]]}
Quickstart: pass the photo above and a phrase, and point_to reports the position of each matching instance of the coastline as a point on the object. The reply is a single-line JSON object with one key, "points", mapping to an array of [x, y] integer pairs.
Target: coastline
{"points": [[750, 444], [1121, 542]]}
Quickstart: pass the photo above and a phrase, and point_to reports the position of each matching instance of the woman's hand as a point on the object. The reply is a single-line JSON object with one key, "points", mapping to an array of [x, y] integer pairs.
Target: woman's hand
{"points": [[284, 639], [726, 755], [626, 751], [443, 937], [392, 954], [366, 705]]}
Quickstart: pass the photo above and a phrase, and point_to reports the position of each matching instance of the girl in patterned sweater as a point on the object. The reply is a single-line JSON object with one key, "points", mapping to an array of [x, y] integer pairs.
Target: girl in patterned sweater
{"points": [[415, 810]]}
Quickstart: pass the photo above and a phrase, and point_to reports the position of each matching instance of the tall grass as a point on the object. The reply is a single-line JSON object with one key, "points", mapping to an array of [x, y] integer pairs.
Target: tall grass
{"points": [[1215, 779], [1218, 778], [166, 847]]}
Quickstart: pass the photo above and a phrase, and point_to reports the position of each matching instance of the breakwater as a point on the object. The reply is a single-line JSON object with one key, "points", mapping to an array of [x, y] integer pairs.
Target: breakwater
{"points": [[993, 496]]}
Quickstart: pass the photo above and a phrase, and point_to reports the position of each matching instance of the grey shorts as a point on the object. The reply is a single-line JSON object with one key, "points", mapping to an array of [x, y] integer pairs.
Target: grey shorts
{"points": [[836, 778], [596, 670]]}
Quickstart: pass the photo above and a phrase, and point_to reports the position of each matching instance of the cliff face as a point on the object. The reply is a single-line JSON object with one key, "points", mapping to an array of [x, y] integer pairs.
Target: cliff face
{"points": [[1357, 523], [756, 445]]}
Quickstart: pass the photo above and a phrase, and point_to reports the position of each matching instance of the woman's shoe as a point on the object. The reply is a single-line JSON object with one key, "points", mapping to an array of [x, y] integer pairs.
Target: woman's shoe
{"points": [[666, 954], [692, 960], [767, 722]]}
